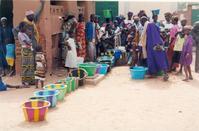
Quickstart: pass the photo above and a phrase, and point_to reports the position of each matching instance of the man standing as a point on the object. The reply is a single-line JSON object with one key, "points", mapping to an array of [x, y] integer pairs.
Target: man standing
{"points": [[90, 38], [195, 33], [7, 41], [156, 55]]}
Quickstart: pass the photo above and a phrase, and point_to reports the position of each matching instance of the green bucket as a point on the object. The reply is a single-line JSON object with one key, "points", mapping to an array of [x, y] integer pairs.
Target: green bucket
{"points": [[62, 89], [72, 82], [89, 67], [107, 13]]}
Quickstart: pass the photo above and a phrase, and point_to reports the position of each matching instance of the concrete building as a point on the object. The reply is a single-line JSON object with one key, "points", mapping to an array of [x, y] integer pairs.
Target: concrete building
{"points": [[135, 7], [49, 24]]}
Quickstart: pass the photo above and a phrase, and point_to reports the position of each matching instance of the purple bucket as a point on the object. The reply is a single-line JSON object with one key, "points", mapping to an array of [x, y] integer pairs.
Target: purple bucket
{"points": [[98, 68]]}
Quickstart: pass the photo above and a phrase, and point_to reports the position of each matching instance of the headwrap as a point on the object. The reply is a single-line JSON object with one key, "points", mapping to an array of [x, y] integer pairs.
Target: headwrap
{"points": [[156, 12], [3, 18], [36, 32], [135, 17], [29, 12], [188, 27]]}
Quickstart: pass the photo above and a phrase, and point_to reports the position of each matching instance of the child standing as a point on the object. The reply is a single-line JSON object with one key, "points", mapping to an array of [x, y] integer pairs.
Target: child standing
{"points": [[132, 51], [177, 51], [71, 57], [186, 56], [40, 66]]}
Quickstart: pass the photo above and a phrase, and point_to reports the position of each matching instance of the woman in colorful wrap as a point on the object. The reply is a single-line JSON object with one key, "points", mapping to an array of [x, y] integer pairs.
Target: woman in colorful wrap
{"points": [[156, 55], [186, 56], [7, 40], [27, 57], [80, 37]]}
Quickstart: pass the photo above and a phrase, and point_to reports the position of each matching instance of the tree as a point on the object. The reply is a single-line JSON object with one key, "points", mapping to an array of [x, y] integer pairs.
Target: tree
{"points": [[195, 34]]}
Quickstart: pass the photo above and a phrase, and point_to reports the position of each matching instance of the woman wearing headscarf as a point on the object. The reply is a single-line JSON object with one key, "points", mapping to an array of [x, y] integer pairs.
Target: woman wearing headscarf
{"points": [[31, 34], [80, 37], [31, 19]]}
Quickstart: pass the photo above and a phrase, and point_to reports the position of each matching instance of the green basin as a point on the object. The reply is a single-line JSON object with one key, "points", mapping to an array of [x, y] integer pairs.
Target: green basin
{"points": [[62, 89], [90, 68]]}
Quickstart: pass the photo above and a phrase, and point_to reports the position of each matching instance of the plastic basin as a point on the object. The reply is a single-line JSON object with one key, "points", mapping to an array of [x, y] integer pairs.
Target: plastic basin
{"points": [[72, 82], [117, 54], [103, 69], [35, 110], [98, 68], [138, 72], [89, 67], [37, 98], [62, 90], [50, 95], [80, 75]]}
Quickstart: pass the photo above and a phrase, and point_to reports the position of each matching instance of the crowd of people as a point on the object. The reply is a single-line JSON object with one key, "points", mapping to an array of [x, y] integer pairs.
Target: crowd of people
{"points": [[161, 46]]}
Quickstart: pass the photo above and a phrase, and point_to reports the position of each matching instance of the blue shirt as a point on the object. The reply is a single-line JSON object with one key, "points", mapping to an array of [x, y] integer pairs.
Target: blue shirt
{"points": [[90, 31]]}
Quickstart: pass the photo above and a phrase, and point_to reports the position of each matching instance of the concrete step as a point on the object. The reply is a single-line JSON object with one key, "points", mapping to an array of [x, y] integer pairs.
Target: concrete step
{"points": [[95, 80]]}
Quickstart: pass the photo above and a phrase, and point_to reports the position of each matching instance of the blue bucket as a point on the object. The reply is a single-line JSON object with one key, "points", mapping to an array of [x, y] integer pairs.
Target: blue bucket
{"points": [[138, 72], [117, 54], [103, 69], [49, 95]]}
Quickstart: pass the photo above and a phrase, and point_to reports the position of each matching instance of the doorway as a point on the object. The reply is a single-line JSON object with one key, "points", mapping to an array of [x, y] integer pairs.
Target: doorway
{"points": [[6, 10]]}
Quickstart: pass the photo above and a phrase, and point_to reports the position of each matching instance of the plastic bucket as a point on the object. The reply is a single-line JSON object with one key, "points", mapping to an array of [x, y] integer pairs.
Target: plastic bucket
{"points": [[72, 82], [89, 67], [50, 95], [117, 54], [103, 69], [65, 82], [98, 68], [35, 110], [37, 98], [62, 90], [80, 75], [138, 72]]}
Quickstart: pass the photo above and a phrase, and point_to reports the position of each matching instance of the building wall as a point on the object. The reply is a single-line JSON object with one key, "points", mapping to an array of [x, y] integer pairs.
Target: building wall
{"points": [[49, 24], [187, 14], [135, 7]]}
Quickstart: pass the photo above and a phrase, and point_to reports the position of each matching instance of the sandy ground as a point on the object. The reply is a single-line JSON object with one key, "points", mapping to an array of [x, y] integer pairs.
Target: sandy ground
{"points": [[115, 104]]}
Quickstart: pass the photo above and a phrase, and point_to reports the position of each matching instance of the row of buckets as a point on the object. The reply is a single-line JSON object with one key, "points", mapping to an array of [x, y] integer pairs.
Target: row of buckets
{"points": [[36, 108]]}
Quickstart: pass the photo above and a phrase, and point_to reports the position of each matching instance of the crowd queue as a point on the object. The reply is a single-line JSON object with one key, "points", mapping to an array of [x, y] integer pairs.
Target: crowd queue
{"points": [[161, 46]]}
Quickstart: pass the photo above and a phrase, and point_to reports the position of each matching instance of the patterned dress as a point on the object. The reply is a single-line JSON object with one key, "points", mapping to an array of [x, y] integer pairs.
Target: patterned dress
{"points": [[80, 37], [27, 60], [40, 66]]}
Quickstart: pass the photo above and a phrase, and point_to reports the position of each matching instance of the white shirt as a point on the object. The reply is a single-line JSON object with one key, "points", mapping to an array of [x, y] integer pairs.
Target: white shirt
{"points": [[167, 25]]}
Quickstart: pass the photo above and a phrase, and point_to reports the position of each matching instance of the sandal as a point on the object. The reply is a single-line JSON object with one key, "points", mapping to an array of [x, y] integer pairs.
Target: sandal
{"points": [[186, 80], [190, 78]]}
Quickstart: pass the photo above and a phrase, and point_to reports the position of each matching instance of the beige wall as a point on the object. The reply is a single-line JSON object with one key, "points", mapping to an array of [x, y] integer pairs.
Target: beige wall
{"points": [[49, 23], [135, 7]]}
